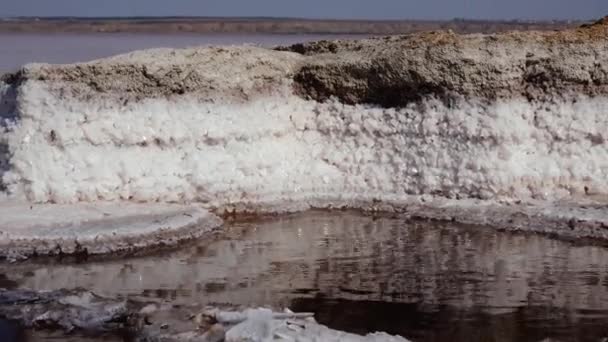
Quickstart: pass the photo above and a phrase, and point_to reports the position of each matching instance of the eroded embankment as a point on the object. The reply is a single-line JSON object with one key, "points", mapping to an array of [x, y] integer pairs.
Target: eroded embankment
{"points": [[429, 118]]}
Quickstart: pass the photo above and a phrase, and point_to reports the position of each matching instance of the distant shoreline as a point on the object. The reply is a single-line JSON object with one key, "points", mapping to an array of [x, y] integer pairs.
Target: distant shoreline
{"points": [[264, 25]]}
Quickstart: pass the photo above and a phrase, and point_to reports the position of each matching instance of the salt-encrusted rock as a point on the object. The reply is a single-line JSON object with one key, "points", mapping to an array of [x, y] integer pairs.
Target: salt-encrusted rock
{"points": [[517, 117], [78, 312]]}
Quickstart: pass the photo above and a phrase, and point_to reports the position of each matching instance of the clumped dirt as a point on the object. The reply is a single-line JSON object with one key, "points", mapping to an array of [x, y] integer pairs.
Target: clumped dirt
{"points": [[233, 73], [395, 71], [387, 71]]}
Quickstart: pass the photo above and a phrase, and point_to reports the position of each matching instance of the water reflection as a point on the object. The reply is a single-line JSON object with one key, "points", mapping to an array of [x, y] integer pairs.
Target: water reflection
{"points": [[445, 323], [362, 273], [11, 331]]}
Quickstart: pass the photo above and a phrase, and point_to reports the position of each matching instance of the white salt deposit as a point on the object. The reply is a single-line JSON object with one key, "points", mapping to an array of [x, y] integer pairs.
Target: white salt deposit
{"points": [[283, 149], [263, 325], [26, 229], [69, 221]]}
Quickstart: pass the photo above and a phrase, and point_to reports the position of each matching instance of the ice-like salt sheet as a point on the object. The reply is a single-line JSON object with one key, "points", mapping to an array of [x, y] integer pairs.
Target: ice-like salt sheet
{"points": [[26, 229], [264, 325]]}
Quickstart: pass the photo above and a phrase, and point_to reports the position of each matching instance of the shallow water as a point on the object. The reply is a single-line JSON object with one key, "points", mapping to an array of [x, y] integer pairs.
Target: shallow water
{"points": [[425, 281], [19, 49]]}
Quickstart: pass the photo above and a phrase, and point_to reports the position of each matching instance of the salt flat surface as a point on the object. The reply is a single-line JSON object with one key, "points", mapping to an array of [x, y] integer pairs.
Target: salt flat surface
{"points": [[98, 227]]}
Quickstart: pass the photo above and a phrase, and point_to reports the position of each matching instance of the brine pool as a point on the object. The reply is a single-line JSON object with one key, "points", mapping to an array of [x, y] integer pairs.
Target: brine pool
{"points": [[426, 281]]}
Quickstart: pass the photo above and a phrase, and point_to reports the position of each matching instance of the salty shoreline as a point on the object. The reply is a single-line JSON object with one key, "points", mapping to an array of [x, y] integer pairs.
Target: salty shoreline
{"points": [[84, 313], [131, 229], [358, 273], [502, 130]]}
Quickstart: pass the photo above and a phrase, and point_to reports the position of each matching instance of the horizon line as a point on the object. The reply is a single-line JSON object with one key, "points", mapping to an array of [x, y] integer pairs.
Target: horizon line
{"points": [[169, 17]]}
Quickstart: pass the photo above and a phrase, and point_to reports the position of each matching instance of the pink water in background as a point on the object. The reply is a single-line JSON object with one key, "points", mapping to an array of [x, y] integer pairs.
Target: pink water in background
{"points": [[19, 49]]}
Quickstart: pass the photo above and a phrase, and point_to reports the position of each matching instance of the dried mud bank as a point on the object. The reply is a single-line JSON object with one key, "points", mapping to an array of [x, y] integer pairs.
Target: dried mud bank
{"points": [[513, 120]]}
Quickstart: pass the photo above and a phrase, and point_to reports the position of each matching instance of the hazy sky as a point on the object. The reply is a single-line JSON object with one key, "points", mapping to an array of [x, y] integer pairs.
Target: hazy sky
{"points": [[369, 9]]}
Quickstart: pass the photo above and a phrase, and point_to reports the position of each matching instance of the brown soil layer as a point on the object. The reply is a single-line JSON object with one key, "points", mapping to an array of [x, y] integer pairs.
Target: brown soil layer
{"points": [[389, 71], [398, 70]]}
